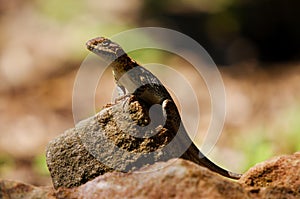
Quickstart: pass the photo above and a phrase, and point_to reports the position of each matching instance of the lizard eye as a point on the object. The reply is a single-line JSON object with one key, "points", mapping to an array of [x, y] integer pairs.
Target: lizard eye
{"points": [[105, 43]]}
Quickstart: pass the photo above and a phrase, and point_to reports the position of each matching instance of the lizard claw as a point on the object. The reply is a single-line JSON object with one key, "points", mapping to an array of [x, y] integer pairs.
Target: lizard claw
{"points": [[120, 98]]}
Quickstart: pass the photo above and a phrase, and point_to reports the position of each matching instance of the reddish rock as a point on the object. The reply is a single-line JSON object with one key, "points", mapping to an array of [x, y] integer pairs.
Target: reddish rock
{"points": [[11, 189], [176, 178], [276, 178]]}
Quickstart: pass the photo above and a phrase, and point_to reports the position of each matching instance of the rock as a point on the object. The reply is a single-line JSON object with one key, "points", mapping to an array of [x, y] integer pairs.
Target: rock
{"points": [[110, 140], [180, 178], [16, 190], [69, 163], [176, 178], [275, 178]]}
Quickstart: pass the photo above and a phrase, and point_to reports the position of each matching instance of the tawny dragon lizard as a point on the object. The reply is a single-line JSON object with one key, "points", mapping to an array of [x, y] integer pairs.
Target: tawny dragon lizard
{"points": [[134, 79]]}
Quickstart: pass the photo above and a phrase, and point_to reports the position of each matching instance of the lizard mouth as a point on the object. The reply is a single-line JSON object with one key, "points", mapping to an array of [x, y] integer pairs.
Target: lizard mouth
{"points": [[105, 48], [99, 45], [93, 43]]}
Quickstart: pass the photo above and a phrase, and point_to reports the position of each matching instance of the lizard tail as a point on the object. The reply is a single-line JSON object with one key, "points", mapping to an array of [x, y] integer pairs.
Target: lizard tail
{"points": [[194, 154], [213, 167]]}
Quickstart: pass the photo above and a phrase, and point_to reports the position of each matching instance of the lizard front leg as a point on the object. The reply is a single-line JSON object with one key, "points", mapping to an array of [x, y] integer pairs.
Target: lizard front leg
{"points": [[122, 94], [171, 114]]}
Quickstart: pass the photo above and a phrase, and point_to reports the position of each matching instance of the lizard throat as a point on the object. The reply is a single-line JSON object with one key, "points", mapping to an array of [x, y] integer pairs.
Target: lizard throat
{"points": [[122, 65]]}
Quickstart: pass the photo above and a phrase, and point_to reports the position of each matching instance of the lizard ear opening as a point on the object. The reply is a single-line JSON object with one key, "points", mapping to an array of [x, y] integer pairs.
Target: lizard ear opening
{"points": [[120, 52]]}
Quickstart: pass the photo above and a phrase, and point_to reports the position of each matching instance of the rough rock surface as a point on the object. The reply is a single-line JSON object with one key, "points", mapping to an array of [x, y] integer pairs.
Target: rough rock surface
{"points": [[280, 176], [120, 137], [176, 178], [179, 178], [92, 148]]}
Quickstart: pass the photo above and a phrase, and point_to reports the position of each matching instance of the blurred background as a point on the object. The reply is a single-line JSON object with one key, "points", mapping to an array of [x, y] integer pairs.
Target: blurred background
{"points": [[255, 44]]}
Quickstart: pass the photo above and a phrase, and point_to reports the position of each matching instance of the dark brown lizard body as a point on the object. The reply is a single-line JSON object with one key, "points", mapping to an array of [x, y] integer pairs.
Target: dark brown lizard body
{"points": [[134, 79]]}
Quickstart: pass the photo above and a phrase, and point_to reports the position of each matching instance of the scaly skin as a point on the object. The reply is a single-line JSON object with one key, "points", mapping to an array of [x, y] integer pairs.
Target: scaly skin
{"points": [[134, 79]]}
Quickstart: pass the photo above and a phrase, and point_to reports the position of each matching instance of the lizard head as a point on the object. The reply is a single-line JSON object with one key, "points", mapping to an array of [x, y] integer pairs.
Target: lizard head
{"points": [[105, 48]]}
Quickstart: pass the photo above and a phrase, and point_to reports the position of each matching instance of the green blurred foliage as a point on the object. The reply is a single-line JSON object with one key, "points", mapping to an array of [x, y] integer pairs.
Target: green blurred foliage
{"points": [[61, 11], [6, 163], [147, 56], [256, 147], [266, 141], [40, 165], [290, 130]]}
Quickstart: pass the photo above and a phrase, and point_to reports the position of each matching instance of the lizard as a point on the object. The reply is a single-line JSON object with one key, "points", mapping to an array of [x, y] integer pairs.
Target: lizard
{"points": [[132, 78]]}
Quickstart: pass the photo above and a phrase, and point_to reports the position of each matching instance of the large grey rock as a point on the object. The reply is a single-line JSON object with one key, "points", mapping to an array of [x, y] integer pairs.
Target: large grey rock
{"points": [[110, 140]]}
